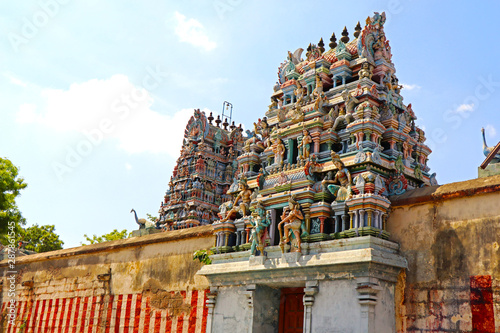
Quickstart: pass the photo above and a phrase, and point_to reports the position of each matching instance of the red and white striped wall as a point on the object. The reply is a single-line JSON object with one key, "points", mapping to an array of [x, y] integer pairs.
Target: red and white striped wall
{"points": [[128, 313]]}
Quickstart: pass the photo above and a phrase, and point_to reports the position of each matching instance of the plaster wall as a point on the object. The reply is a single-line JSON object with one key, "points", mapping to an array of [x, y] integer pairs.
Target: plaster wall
{"points": [[142, 284], [336, 307], [231, 313], [450, 238], [265, 312]]}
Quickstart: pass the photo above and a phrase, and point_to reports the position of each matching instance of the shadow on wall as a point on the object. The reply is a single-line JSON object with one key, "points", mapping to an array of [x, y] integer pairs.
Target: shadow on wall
{"points": [[449, 256]]}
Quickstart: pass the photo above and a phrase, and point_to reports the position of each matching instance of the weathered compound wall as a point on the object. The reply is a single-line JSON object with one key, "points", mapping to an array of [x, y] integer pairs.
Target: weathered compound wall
{"points": [[450, 236], [144, 284]]}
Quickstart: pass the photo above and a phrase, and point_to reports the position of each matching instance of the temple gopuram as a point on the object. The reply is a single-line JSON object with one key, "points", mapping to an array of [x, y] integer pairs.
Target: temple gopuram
{"points": [[299, 205], [203, 174], [337, 140], [306, 226]]}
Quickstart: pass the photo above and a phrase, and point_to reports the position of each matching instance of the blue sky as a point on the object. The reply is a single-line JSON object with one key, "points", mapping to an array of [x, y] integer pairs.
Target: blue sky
{"points": [[95, 95]]}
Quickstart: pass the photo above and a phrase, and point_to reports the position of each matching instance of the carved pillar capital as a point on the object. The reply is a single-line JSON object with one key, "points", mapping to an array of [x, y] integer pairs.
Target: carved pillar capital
{"points": [[249, 293], [309, 291], [367, 289], [211, 301]]}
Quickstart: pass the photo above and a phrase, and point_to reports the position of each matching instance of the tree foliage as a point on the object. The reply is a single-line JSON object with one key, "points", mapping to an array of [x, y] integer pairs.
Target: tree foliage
{"points": [[113, 235], [10, 186], [40, 238], [203, 256], [37, 238], [152, 218]]}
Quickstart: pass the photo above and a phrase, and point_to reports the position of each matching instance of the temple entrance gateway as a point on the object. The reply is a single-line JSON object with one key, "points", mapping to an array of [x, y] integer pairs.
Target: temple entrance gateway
{"points": [[291, 317], [328, 162]]}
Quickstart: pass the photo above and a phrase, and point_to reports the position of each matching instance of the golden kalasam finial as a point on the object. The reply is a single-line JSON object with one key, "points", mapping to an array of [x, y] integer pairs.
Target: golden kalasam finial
{"points": [[345, 36]]}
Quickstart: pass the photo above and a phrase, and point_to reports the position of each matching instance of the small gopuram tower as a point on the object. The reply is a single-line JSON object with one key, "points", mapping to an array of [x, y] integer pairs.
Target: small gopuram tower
{"points": [[307, 222], [203, 174]]}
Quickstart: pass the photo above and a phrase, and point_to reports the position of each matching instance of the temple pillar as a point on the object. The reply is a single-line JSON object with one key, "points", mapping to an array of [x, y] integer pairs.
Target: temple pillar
{"points": [[272, 227], [354, 219], [290, 146], [367, 289], [309, 291], [376, 215], [316, 144], [322, 224], [361, 220], [211, 300], [345, 222], [307, 216], [369, 217]]}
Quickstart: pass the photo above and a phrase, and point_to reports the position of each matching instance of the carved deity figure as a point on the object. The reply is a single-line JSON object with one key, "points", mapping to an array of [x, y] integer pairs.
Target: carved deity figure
{"points": [[245, 196], [299, 94], [273, 105], [296, 114], [290, 66], [365, 71], [318, 94], [262, 127], [196, 129], [343, 191], [200, 164], [293, 220], [349, 102], [305, 145], [278, 150], [259, 234]]}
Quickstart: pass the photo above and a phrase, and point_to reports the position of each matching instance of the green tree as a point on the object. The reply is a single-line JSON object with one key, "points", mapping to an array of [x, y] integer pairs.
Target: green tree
{"points": [[40, 238], [152, 218], [113, 235], [10, 186]]}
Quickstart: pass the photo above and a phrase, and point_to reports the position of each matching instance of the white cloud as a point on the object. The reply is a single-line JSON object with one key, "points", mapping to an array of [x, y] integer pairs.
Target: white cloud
{"points": [[150, 131], [15, 80], [464, 109], [114, 108], [192, 31], [128, 166], [410, 86], [27, 114], [490, 131]]}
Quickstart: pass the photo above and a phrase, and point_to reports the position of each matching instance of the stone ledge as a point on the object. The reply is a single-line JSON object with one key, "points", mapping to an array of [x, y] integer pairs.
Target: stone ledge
{"points": [[447, 191], [164, 237], [315, 248], [333, 257]]}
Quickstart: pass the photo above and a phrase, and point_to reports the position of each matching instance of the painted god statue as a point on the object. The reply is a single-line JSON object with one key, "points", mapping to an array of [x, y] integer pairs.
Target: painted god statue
{"points": [[259, 234], [342, 191], [278, 150], [241, 203], [305, 145], [293, 221]]}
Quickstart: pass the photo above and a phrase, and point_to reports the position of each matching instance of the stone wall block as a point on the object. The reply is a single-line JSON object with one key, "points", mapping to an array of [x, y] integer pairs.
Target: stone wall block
{"points": [[42, 290], [436, 295]]}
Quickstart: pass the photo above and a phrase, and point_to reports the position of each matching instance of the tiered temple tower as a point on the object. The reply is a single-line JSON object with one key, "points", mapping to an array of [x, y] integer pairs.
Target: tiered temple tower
{"points": [[203, 174], [336, 141]]}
